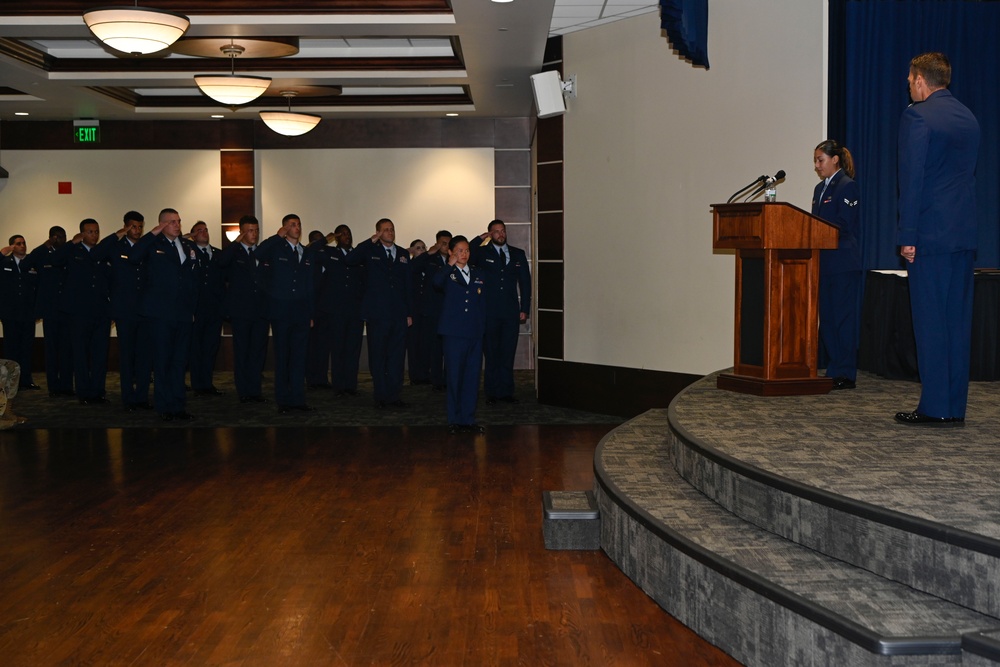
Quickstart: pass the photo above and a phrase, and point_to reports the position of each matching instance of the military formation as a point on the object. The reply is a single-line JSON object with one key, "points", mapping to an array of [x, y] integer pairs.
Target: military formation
{"points": [[448, 308]]}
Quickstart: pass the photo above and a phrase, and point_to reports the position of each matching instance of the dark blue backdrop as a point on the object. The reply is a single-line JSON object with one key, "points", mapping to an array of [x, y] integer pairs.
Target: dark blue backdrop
{"points": [[871, 44]]}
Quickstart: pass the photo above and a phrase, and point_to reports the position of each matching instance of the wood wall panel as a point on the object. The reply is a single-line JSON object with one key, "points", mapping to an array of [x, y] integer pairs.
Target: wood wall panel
{"points": [[550, 334], [550, 139], [550, 186], [513, 204], [512, 167], [550, 235], [549, 276], [237, 168], [237, 202]]}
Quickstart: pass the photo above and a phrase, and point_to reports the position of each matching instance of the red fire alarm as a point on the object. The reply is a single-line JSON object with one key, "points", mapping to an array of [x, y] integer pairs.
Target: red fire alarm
{"points": [[65, 187]]}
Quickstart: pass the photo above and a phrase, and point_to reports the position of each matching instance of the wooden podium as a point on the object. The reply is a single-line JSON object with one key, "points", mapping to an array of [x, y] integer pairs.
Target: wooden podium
{"points": [[777, 295]]}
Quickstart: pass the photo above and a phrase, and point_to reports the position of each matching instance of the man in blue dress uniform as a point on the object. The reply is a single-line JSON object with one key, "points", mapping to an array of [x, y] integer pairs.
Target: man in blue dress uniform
{"points": [[426, 266], [55, 324], [168, 302], [339, 308], [938, 151], [135, 356], [386, 309], [288, 280], [19, 286], [207, 331], [244, 304], [508, 303], [85, 299]]}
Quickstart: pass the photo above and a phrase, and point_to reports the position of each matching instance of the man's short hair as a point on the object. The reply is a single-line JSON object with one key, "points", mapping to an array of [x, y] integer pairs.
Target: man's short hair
{"points": [[378, 225], [14, 238], [490, 226], [200, 222], [133, 216], [248, 220], [290, 216], [56, 230], [87, 221], [167, 210], [341, 228], [441, 234], [415, 242], [934, 67]]}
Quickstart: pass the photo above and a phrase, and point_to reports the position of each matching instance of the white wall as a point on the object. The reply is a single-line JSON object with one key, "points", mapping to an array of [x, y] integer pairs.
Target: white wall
{"points": [[106, 184], [421, 190], [651, 144]]}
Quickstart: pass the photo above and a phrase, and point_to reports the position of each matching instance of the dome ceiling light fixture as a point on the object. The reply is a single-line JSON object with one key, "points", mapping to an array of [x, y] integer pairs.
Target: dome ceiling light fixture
{"points": [[230, 89], [136, 30], [288, 123]]}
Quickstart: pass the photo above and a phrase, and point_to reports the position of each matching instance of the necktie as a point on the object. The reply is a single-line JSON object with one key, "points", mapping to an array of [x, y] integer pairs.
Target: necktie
{"points": [[465, 274], [205, 257], [252, 258], [388, 253], [826, 184]]}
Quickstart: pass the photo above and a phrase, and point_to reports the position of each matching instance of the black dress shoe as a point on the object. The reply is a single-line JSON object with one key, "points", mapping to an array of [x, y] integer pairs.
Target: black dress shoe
{"points": [[142, 406], [321, 385], [256, 399], [351, 392], [30, 385], [919, 419], [303, 408], [509, 399], [453, 429], [211, 391], [843, 383], [490, 400], [93, 401], [380, 404], [183, 416], [398, 404], [284, 409], [474, 428], [439, 387], [167, 416]]}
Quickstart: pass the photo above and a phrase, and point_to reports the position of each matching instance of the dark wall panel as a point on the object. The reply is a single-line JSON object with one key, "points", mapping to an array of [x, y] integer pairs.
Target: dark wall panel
{"points": [[513, 204], [549, 330], [512, 167], [550, 187], [237, 168], [236, 203], [514, 132], [549, 277], [550, 235]]}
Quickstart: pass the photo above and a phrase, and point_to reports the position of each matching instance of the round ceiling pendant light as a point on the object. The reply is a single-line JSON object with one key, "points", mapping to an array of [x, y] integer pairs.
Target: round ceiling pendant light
{"points": [[136, 30]]}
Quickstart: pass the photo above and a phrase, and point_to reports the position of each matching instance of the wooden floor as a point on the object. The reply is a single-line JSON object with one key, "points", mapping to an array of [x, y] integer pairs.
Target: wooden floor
{"points": [[346, 546]]}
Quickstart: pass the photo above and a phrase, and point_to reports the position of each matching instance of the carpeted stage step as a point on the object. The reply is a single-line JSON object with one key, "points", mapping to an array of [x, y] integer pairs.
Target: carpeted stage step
{"points": [[763, 599]]}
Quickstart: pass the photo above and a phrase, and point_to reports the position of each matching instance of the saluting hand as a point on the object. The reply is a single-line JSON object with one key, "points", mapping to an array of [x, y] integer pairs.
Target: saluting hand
{"points": [[7, 251], [78, 239]]}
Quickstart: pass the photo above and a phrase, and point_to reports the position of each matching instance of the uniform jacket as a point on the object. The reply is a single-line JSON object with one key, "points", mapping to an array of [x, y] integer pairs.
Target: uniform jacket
{"points": [[87, 288], [51, 277], [244, 291], [387, 285], [288, 281], [504, 281], [938, 150], [18, 287], [127, 279], [463, 310], [171, 291], [840, 207], [212, 284], [341, 285], [428, 299]]}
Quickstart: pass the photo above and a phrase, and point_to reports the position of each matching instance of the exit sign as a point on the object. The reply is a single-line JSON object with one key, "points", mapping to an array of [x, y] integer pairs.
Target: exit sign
{"points": [[87, 135]]}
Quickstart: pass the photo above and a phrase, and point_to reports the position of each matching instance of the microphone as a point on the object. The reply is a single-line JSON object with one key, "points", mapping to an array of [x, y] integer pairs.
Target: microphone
{"points": [[771, 180], [768, 181], [759, 179]]}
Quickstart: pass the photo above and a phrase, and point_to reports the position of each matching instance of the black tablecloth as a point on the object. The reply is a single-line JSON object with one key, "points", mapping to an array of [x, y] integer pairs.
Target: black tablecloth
{"points": [[886, 345]]}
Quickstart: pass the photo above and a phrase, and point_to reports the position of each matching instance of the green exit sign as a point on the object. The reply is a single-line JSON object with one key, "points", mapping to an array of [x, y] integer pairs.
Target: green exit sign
{"points": [[87, 135]]}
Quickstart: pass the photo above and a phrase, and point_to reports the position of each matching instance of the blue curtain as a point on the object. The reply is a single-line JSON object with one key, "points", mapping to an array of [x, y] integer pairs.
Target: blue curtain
{"points": [[879, 39], [686, 23]]}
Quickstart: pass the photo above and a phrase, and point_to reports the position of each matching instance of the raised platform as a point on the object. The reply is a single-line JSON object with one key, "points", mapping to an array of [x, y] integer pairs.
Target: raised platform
{"points": [[812, 530]]}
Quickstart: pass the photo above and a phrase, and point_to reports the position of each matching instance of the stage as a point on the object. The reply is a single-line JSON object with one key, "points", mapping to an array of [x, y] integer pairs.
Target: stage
{"points": [[813, 530]]}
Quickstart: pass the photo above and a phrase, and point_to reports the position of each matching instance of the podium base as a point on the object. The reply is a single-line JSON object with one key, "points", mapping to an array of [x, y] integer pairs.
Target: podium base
{"points": [[761, 387]]}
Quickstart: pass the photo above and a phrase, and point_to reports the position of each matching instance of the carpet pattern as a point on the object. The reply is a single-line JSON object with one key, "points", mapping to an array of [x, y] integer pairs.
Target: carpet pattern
{"points": [[424, 407]]}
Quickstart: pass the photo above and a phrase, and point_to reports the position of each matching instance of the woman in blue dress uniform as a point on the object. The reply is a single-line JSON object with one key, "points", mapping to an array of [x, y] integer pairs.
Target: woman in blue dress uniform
{"points": [[835, 199], [462, 325]]}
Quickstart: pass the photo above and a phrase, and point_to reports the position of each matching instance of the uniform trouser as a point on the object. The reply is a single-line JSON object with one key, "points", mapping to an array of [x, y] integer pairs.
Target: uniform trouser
{"points": [[432, 349], [290, 341], [386, 357], [839, 304], [135, 359], [171, 346], [91, 337], [205, 338], [18, 345], [318, 351], [941, 290], [249, 355], [58, 352], [346, 335], [416, 360], [499, 349], [463, 361]]}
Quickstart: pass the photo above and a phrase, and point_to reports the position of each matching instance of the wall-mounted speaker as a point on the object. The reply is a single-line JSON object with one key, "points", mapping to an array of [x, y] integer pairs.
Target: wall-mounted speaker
{"points": [[548, 94]]}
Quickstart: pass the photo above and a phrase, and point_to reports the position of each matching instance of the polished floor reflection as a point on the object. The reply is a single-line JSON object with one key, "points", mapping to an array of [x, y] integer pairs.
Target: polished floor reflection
{"points": [[310, 546]]}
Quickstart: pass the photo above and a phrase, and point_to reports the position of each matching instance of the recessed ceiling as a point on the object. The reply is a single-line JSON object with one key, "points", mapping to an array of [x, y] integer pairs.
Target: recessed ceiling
{"points": [[388, 57]]}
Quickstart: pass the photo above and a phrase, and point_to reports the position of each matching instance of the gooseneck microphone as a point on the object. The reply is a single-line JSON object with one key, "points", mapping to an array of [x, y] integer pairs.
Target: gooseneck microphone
{"points": [[759, 179], [768, 181]]}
